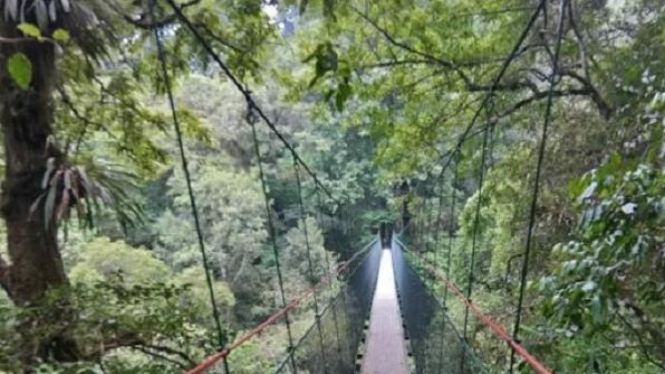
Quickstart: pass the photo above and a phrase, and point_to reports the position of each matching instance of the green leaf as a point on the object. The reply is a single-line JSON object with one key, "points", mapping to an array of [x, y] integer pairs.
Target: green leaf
{"points": [[61, 35], [49, 206], [50, 166], [20, 69], [30, 30]]}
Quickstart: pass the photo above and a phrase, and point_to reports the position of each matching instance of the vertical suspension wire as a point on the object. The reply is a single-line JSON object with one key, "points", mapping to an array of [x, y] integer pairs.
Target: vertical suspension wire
{"points": [[161, 55], [438, 250], [449, 255], [303, 218], [421, 248], [425, 234], [421, 225], [437, 256], [418, 229], [412, 228], [327, 258], [344, 226], [420, 345], [536, 186], [427, 226], [474, 241], [273, 237], [345, 299], [492, 140]]}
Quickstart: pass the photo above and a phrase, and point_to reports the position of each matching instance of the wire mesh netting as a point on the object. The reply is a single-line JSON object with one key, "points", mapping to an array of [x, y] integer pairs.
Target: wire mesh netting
{"points": [[435, 344], [327, 344], [330, 344], [324, 347], [417, 307], [361, 285]]}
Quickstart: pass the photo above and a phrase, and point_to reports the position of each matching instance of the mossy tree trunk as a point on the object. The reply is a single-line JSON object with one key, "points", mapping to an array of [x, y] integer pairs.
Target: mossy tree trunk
{"points": [[35, 264]]}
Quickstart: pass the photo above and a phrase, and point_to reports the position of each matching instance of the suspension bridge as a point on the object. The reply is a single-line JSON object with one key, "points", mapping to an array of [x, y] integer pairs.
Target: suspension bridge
{"points": [[384, 307]]}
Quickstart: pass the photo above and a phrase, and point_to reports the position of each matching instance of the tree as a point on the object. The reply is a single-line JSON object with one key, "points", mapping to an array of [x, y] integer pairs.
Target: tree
{"points": [[303, 251], [51, 49], [232, 214]]}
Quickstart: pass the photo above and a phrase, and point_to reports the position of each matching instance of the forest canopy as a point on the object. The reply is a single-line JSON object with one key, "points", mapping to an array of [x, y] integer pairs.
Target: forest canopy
{"points": [[396, 115]]}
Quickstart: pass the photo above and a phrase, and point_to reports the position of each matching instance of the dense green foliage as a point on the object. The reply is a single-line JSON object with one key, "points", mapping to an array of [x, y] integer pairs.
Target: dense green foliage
{"points": [[374, 95], [419, 73]]}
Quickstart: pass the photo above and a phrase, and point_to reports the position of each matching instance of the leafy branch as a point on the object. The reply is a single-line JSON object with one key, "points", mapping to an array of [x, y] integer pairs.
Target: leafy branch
{"points": [[586, 89], [144, 20]]}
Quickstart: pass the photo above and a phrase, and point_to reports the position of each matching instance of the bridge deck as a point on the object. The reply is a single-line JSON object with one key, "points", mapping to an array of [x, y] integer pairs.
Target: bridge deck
{"points": [[386, 352]]}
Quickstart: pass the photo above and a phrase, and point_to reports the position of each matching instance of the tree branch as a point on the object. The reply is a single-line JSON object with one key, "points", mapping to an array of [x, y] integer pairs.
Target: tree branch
{"points": [[15, 40], [580, 41], [603, 107], [172, 352], [4, 40], [218, 38], [539, 96], [157, 353], [145, 21], [87, 122], [450, 65], [387, 64], [132, 342], [482, 13]]}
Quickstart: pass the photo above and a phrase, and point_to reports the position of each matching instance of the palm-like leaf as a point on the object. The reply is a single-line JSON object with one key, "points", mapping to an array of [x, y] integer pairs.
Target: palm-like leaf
{"points": [[81, 18], [85, 190]]}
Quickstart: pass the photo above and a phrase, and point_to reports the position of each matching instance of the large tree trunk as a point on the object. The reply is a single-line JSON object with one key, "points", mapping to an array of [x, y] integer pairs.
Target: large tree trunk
{"points": [[26, 118]]}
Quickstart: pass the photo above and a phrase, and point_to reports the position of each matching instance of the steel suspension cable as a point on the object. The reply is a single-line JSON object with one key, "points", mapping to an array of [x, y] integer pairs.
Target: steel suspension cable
{"points": [[327, 258], [438, 259], [425, 233], [492, 143], [494, 326], [221, 338], [273, 237], [428, 225], [418, 229], [424, 250], [345, 300], [345, 267], [303, 218], [474, 238], [536, 186], [437, 256], [438, 250], [502, 71], [451, 240], [344, 220], [246, 93], [430, 267]]}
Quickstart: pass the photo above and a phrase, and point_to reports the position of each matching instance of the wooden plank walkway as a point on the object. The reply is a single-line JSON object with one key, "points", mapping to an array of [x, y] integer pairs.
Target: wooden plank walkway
{"points": [[386, 351]]}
